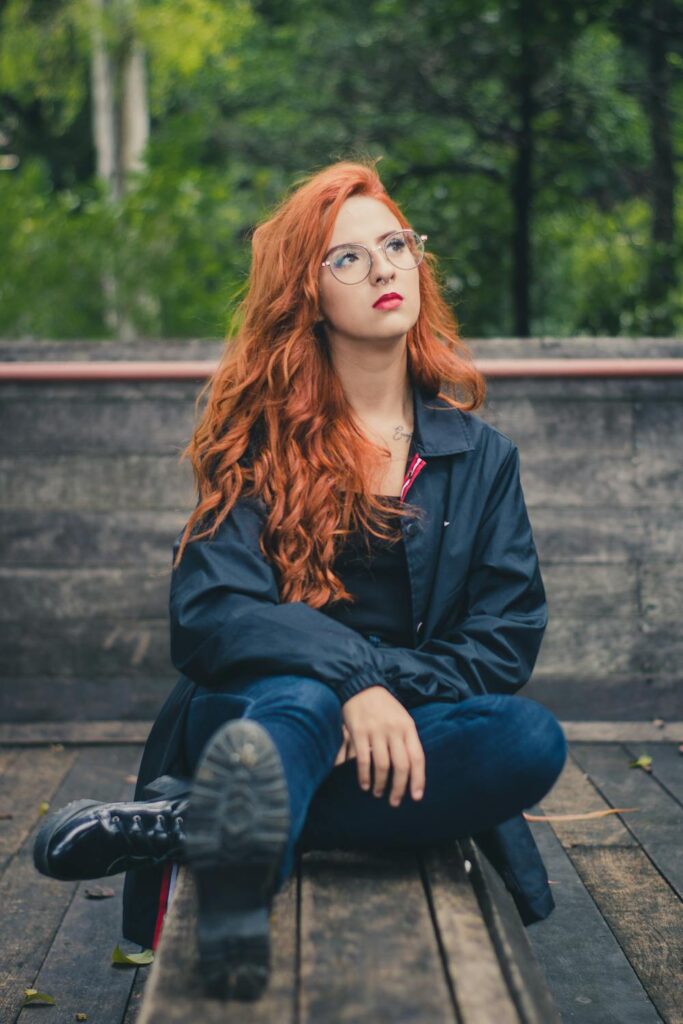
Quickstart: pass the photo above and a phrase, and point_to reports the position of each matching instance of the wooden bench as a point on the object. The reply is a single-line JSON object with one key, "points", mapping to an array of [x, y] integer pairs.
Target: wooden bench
{"points": [[612, 950], [424, 937]]}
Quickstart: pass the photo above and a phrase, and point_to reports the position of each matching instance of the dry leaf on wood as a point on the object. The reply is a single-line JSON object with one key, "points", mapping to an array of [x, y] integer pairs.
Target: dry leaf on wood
{"points": [[98, 892], [32, 995], [578, 817], [146, 956]]}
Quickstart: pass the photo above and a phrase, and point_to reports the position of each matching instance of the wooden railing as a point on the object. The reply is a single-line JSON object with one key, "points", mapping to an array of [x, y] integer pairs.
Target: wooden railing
{"points": [[132, 370]]}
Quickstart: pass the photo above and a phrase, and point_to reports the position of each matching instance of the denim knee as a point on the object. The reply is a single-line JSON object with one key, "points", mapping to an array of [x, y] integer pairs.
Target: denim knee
{"points": [[306, 698], [542, 750]]}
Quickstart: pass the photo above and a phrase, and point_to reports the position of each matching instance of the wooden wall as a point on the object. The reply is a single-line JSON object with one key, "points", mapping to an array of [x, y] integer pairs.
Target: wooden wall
{"points": [[92, 495]]}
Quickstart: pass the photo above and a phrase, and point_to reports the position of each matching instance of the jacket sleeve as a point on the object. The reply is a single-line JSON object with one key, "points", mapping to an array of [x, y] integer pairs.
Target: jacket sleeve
{"points": [[493, 647], [228, 625]]}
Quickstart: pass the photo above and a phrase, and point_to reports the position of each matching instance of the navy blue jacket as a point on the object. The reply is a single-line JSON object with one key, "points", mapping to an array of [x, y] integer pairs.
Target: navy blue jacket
{"points": [[478, 607]]}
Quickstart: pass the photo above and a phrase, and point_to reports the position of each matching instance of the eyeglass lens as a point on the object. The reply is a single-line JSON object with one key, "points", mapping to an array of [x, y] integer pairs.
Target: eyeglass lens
{"points": [[352, 264]]}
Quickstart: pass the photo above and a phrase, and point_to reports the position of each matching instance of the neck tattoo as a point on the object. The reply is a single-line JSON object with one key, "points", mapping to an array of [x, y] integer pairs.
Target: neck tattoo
{"points": [[401, 434]]}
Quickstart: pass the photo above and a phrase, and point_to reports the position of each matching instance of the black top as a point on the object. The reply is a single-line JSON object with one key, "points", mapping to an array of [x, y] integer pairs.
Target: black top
{"points": [[380, 585]]}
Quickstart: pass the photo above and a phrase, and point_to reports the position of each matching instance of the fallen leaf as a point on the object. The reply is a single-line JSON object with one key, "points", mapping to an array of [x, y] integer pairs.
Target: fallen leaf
{"points": [[132, 959], [644, 762], [578, 817], [32, 995], [80, 1016], [56, 746], [43, 807], [131, 778], [658, 722], [98, 892]]}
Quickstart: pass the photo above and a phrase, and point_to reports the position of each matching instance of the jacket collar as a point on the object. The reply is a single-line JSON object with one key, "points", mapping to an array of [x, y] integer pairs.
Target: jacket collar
{"points": [[438, 428]]}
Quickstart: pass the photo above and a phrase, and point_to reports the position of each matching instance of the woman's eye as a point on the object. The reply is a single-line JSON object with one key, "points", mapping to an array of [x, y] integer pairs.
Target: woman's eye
{"points": [[345, 258], [397, 244]]}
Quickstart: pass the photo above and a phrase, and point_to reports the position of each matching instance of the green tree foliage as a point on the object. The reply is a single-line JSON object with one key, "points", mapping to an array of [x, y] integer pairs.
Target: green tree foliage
{"points": [[518, 135]]}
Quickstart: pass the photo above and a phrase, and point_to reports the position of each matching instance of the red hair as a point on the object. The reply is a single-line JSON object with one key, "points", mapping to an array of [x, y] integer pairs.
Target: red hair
{"points": [[275, 381]]}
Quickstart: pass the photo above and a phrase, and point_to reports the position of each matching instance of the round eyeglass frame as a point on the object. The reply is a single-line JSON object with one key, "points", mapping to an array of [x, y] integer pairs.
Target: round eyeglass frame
{"points": [[382, 245]]}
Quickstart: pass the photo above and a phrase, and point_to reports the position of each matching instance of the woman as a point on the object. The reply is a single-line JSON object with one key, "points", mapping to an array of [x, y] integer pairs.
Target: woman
{"points": [[349, 658]]}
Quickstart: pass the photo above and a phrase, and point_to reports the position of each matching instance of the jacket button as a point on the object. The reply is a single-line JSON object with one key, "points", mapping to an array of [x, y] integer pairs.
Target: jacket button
{"points": [[419, 626], [411, 529]]}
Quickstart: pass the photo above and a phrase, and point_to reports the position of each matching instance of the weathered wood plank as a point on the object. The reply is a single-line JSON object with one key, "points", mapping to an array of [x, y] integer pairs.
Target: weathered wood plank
{"points": [[136, 995], [57, 537], [31, 777], [579, 593], [588, 974], [657, 824], [148, 425], [368, 946], [548, 424], [72, 733], [639, 905], [525, 978], [667, 762], [137, 992], [644, 914], [601, 649], [573, 793], [173, 993], [654, 739], [115, 593], [635, 695], [481, 992], [77, 648], [583, 591], [99, 484], [569, 536], [664, 736], [77, 971], [40, 903], [61, 699]]}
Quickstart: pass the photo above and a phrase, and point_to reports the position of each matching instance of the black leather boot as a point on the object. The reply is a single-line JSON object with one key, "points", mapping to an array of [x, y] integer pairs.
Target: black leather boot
{"points": [[88, 839], [238, 825]]}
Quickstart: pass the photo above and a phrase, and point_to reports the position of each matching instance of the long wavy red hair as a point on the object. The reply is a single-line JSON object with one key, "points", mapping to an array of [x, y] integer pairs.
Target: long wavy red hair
{"points": [[277, 424]]}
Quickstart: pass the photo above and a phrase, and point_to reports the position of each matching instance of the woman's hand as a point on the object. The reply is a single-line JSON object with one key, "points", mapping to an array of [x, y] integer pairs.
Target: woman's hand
{"points": [[379, 728]]}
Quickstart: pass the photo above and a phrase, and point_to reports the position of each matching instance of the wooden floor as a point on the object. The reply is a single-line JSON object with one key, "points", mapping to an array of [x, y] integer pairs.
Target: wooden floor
{"points": [[612, 951]]}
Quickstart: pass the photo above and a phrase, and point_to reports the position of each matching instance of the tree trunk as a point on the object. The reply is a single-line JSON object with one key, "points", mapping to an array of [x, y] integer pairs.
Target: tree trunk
{"points": [[120, 132], [522, 179], [103, 89], [662, 263]]}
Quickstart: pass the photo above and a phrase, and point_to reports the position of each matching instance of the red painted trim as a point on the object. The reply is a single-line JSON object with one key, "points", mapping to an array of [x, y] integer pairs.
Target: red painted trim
{"points": [[200, 369], [163, 902]]}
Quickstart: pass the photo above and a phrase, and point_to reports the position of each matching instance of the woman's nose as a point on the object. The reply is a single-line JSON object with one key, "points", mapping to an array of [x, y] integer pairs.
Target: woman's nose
{"points": [[381, 266]]}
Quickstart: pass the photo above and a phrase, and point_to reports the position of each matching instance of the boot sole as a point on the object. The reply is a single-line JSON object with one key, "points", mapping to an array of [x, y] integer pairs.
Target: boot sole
{"points": [[47, 830], [237, 829]]}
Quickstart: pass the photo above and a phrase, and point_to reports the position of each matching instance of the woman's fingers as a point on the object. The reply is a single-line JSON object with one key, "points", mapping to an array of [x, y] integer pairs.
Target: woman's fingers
{"points": [[362, 744], [416, 756], [400, 769], [381, 763], [383, 736], [344, 749]]}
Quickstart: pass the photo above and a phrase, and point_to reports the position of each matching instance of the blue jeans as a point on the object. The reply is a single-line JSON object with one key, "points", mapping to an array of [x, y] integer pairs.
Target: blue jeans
{"points": [[486, 759]]}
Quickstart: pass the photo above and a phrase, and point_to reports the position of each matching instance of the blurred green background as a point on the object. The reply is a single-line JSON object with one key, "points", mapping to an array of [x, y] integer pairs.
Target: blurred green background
{"points": [[536, 143]]}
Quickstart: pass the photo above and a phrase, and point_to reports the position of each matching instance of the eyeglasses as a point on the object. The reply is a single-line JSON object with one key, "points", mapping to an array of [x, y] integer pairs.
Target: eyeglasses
{"points": [[351, 264]]}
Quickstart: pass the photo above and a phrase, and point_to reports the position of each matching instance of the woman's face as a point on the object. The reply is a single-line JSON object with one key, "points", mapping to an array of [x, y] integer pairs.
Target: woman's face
{"points": [[348, 309]]}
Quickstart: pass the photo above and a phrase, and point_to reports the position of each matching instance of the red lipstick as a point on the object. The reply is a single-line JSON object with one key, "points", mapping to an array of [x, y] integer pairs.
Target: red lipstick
{"points": [[390, 300]]}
